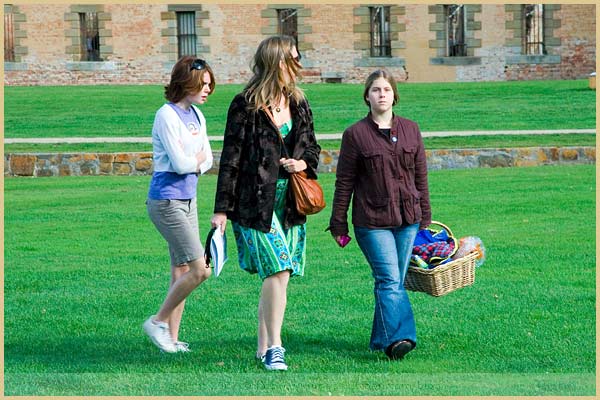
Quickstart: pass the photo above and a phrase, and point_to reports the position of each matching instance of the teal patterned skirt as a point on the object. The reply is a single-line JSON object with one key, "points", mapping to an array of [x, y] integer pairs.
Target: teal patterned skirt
{"points": [[278, 250]]}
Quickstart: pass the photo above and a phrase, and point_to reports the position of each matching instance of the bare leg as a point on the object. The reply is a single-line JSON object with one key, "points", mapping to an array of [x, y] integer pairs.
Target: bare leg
{"points": [[182, 287], [273, 301], [175, 318], [262, 331]]}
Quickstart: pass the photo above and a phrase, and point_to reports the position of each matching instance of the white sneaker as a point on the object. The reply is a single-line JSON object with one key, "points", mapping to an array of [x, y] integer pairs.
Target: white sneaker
{"points": [[182, 347], [158, 332]]}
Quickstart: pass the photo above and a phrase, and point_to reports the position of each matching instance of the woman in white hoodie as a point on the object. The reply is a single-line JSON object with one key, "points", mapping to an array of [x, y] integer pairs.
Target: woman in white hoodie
{"points": [[181, 152]]}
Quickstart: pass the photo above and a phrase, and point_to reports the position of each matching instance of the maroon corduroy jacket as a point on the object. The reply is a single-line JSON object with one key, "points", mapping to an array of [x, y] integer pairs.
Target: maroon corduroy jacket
{"points": [[386, 179]]}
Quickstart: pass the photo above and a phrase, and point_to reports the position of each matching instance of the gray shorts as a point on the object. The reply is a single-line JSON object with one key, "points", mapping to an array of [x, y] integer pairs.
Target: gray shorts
{"points": [[177, 222]]}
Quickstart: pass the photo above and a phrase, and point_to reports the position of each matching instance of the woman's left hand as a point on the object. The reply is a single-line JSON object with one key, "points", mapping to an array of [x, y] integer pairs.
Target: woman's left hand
{"points": [[291, 165]]}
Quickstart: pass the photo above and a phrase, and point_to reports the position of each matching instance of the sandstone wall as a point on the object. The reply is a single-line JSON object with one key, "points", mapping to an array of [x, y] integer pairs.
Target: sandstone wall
{"points": [[68, 164]]}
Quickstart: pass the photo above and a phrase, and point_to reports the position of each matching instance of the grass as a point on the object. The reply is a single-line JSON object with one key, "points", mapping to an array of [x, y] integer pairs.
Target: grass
{"points": [[88, 111], [496, 141], [84, 267]]}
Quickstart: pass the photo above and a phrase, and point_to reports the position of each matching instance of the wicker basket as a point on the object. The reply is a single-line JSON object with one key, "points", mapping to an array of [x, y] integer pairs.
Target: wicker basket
{"points": [[437, 260], [444, 278]]}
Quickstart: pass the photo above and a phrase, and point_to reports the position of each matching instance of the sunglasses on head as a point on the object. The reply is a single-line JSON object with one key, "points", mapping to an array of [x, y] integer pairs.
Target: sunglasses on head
{"points": [[198, 64]]}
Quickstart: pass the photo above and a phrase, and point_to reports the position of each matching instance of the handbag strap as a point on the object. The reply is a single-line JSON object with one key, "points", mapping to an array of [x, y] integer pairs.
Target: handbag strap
{"points": [[268, 112]]}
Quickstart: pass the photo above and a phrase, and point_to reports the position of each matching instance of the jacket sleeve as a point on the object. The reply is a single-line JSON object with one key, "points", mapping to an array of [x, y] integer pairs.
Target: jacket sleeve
{"points": [[344, 184], [421, 183], [229, 164], [312, 149], [167, 130]]}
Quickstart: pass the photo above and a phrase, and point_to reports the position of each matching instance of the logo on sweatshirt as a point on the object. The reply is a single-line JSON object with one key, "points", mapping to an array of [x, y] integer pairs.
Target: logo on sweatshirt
{"points": [[193, 129]]}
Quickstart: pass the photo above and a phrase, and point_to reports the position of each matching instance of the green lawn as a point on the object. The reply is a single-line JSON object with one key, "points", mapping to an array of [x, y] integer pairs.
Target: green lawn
{"points": [[73, 111], [84, 267]]}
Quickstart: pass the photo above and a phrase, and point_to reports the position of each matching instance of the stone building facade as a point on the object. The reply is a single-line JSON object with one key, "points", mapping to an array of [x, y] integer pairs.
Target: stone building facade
{"points": [[139, 43]]}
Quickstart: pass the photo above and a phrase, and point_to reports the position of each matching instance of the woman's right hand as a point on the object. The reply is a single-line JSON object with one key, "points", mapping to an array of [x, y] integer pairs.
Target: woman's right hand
{"points": [[219, 219], [200, 158]]}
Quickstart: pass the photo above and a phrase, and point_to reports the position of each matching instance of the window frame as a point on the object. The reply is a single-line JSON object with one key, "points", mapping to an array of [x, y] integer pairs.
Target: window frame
{"points": [[456, 47], [9, 37], [89, 34], [380, 31], [187, 35], [287, 22], [536, 46]]}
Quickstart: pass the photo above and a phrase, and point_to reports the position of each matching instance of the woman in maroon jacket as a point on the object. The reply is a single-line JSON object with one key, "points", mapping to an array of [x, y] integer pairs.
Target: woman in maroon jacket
{"points": [[383, 168]]}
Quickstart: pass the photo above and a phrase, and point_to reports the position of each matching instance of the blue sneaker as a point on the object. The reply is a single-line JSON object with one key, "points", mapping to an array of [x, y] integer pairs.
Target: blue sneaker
{"points": [[274, 359]]}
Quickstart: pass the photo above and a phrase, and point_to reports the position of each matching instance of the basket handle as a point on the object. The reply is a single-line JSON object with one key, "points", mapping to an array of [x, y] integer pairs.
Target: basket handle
{"points": [[443, 226]]}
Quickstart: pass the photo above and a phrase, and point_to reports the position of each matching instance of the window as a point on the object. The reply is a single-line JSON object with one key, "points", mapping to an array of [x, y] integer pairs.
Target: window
{"points": [[533, 29], [381, 45], [456, 24], [9, 37], [288, 22], [186, 33], [90, 36]]}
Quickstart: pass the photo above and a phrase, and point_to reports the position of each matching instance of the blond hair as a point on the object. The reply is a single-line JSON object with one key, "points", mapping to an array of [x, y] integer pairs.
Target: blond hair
{"points": [[268, 84]]}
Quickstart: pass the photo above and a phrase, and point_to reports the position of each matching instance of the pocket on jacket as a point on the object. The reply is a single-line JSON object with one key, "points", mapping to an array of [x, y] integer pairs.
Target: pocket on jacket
{"points": [[412, 209], [408, 157], [378, 201], [376, 177], [373, 163]]}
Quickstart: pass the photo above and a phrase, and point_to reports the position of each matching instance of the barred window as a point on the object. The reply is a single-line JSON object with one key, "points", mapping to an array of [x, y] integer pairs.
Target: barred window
{"points": [[288, 22], [456, 24], [90, 36], [9, 37], [381, 45], [533, 29], [186, 33]]}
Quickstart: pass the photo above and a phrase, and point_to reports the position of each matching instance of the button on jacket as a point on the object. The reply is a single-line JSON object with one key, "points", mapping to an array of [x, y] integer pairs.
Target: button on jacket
{"points": [[249, 165], [386, 177]]}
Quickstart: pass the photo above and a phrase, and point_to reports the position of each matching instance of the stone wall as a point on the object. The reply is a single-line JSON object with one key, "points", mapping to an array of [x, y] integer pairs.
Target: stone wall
{"points": [[73, 164], [138, 43], [569, 36]]}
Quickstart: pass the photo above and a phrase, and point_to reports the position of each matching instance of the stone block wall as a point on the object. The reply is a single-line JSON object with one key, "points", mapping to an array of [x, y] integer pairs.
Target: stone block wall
{"points": [[569, 35], [130, 164], [75, 164], [139, 43]]}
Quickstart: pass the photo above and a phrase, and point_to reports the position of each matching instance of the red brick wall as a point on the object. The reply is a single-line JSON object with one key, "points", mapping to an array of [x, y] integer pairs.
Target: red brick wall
{"points": [[232, 32], [577, 33]]}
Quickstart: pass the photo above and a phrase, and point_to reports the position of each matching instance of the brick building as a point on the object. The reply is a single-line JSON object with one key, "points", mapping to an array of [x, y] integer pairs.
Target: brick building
{"points": [[64, 44]]}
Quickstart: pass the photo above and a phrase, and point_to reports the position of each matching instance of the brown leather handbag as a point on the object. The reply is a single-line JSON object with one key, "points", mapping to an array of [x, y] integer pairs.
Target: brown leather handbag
{"points": [[307, 193]]}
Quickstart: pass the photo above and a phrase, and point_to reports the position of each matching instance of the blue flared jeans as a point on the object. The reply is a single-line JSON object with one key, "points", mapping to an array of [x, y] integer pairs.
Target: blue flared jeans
{"points": [[388, 253]]}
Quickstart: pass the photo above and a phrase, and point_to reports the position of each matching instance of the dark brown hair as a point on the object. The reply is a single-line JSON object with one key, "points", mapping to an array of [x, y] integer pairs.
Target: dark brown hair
{"points": [[186, 80], [380, 73]]}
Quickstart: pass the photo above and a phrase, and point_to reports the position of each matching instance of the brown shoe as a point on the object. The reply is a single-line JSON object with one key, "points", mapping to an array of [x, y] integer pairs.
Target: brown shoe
{"points": [[397, 350]]}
